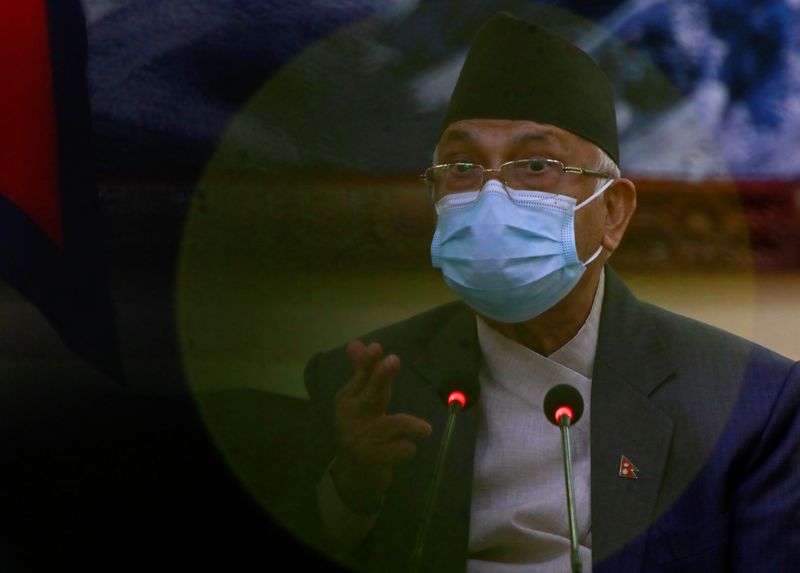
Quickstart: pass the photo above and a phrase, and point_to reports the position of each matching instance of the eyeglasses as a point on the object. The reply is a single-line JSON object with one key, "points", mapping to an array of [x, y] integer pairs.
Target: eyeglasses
{"points": [[532, 174]]}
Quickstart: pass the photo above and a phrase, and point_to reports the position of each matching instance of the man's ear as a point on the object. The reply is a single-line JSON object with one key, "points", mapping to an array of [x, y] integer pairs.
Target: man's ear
{"points": [[620, 202]]}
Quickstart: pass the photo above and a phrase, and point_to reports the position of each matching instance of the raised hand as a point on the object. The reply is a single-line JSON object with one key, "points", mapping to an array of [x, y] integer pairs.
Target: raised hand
{"points": [[370, 443]]}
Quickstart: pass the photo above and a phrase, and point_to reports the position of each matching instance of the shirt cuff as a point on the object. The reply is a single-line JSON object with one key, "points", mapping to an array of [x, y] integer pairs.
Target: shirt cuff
{"points": [[344, 529]]}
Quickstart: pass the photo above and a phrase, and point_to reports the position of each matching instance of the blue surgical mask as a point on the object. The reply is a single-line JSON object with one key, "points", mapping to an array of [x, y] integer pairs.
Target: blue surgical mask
{"points": [[509, 260]]}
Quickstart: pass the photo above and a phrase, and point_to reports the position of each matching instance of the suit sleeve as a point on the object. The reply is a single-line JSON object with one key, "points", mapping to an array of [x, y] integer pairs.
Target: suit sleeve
{"points": [[324, 375], [314, 453], [766, 519]]}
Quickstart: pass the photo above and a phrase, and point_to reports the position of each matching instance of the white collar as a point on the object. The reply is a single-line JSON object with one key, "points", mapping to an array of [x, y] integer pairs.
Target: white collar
{"points": [[504, 357]]}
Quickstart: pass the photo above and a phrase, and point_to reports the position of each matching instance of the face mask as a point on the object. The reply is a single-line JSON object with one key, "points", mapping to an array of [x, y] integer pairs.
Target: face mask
{"points": [[509, 260]]}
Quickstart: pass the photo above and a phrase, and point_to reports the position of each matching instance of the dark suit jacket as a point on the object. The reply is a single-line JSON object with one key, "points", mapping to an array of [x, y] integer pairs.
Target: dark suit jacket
{"points": [[710, 420]]}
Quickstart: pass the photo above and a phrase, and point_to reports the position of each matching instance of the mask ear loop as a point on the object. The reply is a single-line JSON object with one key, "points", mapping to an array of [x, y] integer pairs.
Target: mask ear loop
{"points": [[599, 250], [594, 195], [596, 254]]}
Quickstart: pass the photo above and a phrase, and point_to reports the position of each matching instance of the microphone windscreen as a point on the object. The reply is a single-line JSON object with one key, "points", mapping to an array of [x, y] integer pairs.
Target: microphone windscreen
{"points": [[458, 381], [560, 396]]}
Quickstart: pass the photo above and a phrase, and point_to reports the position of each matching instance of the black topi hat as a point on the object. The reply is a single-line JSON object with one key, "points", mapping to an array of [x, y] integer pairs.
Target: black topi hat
{"points": [[520, 70]]}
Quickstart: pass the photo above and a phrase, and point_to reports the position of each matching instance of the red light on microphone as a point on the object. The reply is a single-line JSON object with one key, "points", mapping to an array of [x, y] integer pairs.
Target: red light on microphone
{"points": [[564, 411], [457, 396], [563, 400]]}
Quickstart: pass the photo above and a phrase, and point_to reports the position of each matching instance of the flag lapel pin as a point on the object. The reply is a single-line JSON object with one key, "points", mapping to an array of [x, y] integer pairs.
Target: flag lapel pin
{"points": [[627, 469]]}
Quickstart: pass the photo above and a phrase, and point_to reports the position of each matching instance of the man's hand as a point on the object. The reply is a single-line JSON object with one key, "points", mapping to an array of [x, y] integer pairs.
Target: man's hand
{"points": [[370, 443]]}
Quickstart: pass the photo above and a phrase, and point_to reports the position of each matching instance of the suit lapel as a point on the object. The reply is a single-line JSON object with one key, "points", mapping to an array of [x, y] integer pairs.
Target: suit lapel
{"points": [[452, 356], [631, 363], [452, 353]]}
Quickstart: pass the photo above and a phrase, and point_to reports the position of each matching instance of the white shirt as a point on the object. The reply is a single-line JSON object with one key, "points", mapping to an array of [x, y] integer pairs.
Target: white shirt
{"points": [[519, 518], [519, 511]]}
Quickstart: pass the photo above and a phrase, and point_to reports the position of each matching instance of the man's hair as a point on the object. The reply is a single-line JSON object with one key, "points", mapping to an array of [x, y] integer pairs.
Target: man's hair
{"points": [[606, 165]]}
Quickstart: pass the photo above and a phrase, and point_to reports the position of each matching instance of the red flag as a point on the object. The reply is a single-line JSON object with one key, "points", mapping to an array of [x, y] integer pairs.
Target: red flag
{"points": [[627, 469], [28, 161], [50, 229]]}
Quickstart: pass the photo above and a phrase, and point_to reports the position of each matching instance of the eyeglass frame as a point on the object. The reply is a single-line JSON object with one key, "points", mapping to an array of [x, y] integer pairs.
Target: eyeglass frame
{"points": [[564, 169]]}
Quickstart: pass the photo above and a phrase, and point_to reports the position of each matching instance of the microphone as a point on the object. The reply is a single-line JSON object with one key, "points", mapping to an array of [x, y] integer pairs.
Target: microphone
{"points": [[458, 397], [563, 407]]}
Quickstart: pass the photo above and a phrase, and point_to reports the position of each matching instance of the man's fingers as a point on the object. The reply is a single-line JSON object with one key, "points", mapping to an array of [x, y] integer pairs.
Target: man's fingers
{"points": [[385, 453], [363, 360], [393, 453], [377, 389], [407, 425], [356, 353], [389, 428], [382, 444]]}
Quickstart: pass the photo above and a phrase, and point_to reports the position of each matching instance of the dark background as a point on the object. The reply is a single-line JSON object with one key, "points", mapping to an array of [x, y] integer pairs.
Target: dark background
{"points": [[110, 478]]}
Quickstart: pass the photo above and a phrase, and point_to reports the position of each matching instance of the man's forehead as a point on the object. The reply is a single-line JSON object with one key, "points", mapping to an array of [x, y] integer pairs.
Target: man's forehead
{"points": [[508, 131]]}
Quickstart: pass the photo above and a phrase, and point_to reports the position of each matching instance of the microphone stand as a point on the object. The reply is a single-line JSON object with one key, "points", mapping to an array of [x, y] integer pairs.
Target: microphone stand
{"points": [[430, 500], [575, 558]]}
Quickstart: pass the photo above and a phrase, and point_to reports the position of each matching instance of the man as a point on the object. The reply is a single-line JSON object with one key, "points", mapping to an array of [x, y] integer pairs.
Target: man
{"points": [[686, 457]]}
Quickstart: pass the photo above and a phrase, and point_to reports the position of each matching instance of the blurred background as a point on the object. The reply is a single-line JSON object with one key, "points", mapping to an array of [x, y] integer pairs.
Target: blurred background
{"points": [[258, 161], [257, 166]]}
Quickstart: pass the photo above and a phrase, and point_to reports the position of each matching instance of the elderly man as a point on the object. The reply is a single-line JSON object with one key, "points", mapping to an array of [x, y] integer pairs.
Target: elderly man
{"points": [[686, 457]]}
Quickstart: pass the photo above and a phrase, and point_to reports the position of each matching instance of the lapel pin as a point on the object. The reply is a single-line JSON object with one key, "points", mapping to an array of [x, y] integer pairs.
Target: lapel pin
{"points": [[627, 469]]}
